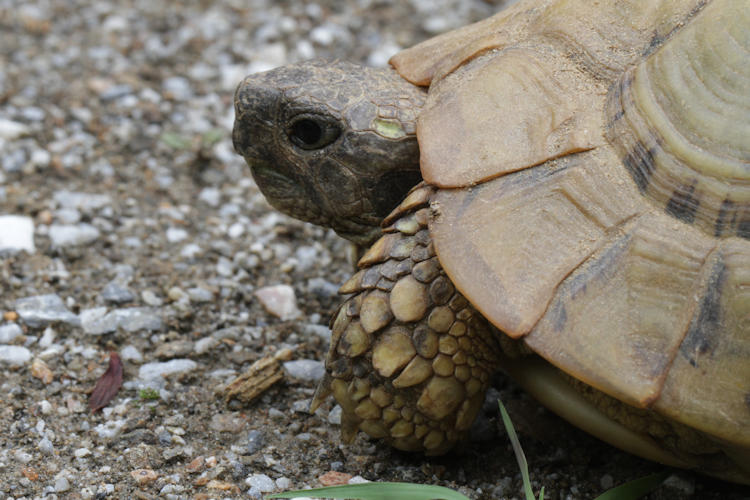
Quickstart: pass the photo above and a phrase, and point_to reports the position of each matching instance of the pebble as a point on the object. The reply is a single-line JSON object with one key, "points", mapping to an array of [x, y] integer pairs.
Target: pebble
{"points": [[199, 295], [12, 130], [67, 235], [154, 370], [40, 310], [116, 293], [305, 369], [98, 321], [262, 482], [61, 485], [14, 355], [131, 353], [176, 234], [8, 332], [16, 234], [45, 446], [86, 202], [280, 301]]}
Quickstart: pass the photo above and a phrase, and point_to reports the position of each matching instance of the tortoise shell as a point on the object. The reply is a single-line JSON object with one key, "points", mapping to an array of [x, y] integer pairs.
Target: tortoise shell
{"points": [[594, 167]]}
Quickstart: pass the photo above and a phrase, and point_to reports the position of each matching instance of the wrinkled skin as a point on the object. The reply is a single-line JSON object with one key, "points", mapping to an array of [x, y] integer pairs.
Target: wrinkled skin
{"points": [[341, 153]]}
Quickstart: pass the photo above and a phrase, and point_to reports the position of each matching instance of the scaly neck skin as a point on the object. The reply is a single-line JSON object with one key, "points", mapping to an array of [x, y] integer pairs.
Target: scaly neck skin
{"points": [[331, 143]]}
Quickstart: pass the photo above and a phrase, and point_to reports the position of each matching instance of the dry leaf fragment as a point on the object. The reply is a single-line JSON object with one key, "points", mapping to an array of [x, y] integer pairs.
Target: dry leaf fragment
{"points": [[108, 384]]}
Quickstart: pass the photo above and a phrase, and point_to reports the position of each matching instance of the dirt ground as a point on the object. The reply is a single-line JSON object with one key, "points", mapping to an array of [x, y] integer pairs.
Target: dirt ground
{"points": [[141, 233]]}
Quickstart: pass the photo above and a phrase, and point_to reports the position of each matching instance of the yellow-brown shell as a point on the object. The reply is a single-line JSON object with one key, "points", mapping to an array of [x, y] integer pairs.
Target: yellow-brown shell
{"points": [[595, 165]]}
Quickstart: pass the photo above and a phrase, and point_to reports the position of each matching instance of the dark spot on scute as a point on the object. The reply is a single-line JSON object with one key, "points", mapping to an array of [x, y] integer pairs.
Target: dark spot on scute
{"points": [[683, 204], [559, 316], [743, 229], [640, 163], [722, 218], [706, 326]]}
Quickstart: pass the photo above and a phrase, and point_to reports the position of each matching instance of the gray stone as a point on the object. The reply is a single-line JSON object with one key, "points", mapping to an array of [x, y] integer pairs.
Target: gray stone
{"points": [[156, 370], [14, 355], [116, 293], [97, 321], [66, 235], [305, 369], [8, 332], [40, 310]]}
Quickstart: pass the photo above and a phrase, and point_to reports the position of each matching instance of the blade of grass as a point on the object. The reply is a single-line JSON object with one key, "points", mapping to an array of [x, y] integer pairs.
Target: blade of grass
{"points": [[520, 457], [636, 488], [378, 491]]}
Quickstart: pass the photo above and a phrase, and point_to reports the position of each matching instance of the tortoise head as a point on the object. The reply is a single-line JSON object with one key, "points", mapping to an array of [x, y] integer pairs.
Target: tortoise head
{"points": [[331, 143]]}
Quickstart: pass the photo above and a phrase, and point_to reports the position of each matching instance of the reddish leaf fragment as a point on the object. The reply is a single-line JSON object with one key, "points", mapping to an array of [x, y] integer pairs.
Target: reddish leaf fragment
{"points": [[108, 384]]}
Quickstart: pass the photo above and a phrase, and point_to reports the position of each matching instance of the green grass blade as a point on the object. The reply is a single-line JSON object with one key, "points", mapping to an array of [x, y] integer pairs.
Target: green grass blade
{"points": [[378, 491], [520, 457], [636, 488]]}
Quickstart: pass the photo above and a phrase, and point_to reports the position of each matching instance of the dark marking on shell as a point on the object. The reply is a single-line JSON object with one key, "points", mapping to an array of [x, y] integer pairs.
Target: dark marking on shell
{"points": [[721, 220], [639, 161], [743, 228], [747, 400], [559, 316], [683, 204], [706, 326]]}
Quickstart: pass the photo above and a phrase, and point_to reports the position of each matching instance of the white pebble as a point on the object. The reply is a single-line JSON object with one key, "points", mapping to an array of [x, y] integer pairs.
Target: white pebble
{"points": [[8, 332], [261, 481], [61, 485], [131, 353], [154, 370], [16, 234], [66, 235], [81, 452], [176, 234], [45, 446], [14, 355], [279, 300], [12, 130], [305, 369]]}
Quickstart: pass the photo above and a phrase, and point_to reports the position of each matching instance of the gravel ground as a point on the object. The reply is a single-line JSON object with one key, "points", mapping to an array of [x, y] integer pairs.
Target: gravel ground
{"points": [[128, 224]]}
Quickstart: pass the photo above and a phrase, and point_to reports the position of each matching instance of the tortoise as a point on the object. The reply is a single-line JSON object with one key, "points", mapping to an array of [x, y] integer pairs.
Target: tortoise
{"points": [[572, 206]]}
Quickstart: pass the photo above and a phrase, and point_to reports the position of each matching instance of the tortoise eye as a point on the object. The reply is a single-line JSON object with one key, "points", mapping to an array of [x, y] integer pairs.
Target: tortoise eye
{"points": [[313, 132]]}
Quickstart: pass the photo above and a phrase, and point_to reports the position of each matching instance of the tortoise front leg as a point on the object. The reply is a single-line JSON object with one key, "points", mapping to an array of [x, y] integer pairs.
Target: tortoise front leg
{"points": [[410, 358]]}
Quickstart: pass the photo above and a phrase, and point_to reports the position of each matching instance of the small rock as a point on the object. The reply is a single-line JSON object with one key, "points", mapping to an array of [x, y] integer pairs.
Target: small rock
{"points": [[81, 452], [40, 370], [334, 478], [12, 130], [66, 235], [210, 196], [45, 446], [151, 299], [261, 481], [9, 332], [154, 370], [279, 300], [227, 422], [61, 485], [174, 349], [199, 295], [82, 201], [14, 355], [116, 293], [305, 369], [131, 353], [254, 441], [97, 321], [16, 234], [176, 234], [40, 310], [143, 476]]}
